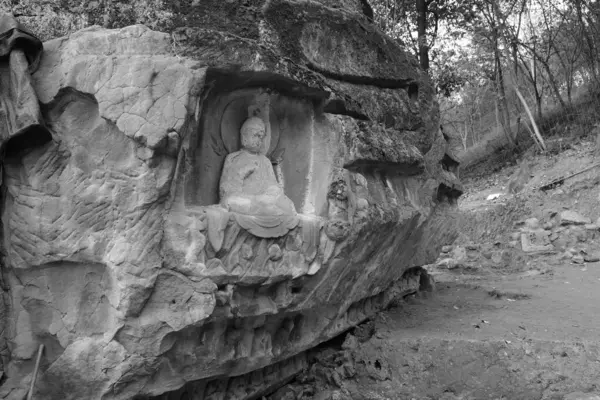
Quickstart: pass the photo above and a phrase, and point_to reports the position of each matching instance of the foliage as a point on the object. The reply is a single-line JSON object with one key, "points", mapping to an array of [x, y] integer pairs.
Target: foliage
{"points": [[478, 52], [483, 52], [49, 19]]}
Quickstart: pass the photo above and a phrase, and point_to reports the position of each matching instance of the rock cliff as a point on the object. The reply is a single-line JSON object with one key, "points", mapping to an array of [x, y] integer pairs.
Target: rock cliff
{"points": [[118, 254]]}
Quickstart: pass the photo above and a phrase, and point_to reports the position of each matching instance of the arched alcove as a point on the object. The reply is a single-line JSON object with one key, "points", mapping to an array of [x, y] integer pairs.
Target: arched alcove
{"points": [[290, 127]]}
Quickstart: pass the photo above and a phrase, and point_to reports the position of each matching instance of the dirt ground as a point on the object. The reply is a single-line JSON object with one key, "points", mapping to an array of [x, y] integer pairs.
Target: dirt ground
{"points": [[529, 336], [527, 328]]}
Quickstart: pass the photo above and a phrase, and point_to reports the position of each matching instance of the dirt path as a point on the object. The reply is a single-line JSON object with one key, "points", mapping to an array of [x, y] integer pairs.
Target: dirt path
{"points": [[523, 337], [526, 336], [560, 305]]}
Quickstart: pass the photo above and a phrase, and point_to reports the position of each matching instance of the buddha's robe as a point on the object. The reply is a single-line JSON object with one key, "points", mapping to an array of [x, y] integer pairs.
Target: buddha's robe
{"points": [[250, 189]]}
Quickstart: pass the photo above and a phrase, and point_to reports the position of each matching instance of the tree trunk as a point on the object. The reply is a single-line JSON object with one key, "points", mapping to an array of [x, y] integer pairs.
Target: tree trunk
{"points": [[422, 33], [538, 106], [591, 53], [537, 136], [515, 58], [536, 91], [554, 85], [504, 112]]}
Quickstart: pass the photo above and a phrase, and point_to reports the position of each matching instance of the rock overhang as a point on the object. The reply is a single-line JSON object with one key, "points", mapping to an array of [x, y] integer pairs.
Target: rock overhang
{"points": [[340, 44], [221, 80], [285, 39]]}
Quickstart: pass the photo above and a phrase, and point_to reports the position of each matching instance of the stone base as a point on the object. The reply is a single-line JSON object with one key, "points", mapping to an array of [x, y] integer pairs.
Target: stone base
{"points": [[255, 384]]}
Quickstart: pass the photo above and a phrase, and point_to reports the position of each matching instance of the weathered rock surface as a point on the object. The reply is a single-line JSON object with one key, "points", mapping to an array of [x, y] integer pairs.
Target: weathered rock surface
{"points": [[116, 252], [570, 217]]}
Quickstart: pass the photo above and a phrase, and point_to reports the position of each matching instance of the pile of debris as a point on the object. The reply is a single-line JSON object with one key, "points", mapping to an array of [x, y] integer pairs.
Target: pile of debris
{"points": [[333, 365], [566, 233]]}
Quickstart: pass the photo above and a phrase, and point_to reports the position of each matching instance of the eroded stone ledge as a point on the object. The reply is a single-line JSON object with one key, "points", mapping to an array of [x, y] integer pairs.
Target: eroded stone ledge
{"points": [[252, 385]]}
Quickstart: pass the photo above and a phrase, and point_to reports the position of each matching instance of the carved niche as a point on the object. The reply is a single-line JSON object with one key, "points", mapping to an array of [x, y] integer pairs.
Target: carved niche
{"points": [[220, 165]]}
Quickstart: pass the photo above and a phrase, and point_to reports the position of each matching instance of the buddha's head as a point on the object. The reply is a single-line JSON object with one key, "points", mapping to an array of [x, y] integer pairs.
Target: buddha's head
{"points": [[254, 134]]}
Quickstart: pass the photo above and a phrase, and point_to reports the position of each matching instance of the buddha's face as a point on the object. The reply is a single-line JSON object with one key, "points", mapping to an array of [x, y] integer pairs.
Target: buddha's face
{"points": [[253, 136]]}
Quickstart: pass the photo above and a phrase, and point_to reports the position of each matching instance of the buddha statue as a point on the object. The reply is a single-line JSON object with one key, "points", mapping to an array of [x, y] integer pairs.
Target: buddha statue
{"points": [[249, 188]]}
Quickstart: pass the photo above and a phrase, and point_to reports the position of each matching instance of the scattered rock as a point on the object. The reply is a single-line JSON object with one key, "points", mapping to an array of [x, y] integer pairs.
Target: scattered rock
{"points": [[532, 223], [284, 393], [364, 331], [519, 224], [560, 243], [449, 263], [582, 396], [579, 233], [494, 196], [449, 396], [536, 241], [446, 249], [515, 236], [570, 217], [350, 342], [339, 395], [578, 259], [549, 213], [378, 370], [324, 395], [497, 257], [593, 257], [567, 255], [459, 254]]}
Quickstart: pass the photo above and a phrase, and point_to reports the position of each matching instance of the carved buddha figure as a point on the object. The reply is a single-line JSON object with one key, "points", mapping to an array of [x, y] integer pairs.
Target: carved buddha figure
{"points": [[249, 187]]}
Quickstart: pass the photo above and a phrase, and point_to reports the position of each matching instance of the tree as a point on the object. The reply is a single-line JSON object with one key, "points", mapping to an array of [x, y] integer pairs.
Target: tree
{"points": [[521, 54], [422, 11], [588, 18], [417, 22], [492, 27]]}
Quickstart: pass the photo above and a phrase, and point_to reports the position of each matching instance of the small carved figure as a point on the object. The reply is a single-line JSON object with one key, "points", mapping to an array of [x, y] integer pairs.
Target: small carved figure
{"points": [[250, 188]]}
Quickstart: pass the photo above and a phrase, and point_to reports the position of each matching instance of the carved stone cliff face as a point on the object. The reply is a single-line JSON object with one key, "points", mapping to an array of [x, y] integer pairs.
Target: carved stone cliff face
{"points": [[118, 252]]}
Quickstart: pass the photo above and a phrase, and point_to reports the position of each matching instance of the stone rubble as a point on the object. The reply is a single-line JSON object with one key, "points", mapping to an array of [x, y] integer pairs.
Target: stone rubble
{"points": [[582, 396], [568, 234]]}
